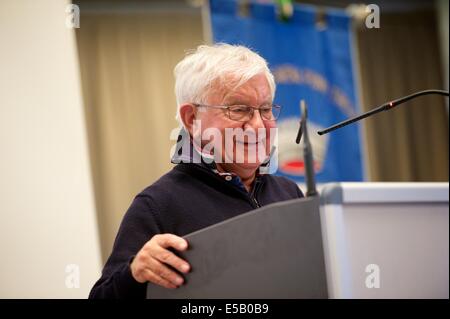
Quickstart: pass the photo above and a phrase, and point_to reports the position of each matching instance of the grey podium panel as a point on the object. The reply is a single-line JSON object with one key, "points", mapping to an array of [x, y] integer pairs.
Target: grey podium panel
{"points": [[272, 252], [386, 240]]}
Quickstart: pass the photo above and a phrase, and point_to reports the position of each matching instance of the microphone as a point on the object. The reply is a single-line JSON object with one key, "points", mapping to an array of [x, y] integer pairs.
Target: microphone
{"points": [[307, 152], [384, 107]]}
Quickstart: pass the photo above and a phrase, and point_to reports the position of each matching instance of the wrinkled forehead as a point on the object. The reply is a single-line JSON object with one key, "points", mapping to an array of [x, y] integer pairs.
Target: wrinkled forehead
{"points": [[232, 89]]}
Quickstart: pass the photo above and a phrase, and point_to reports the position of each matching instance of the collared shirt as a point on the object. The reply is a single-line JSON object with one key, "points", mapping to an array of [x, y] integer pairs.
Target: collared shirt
{"points": [[186, 152]]}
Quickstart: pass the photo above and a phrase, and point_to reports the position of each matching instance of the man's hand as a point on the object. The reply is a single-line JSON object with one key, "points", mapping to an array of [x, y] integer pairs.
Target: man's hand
{"points": [[150, 264]]}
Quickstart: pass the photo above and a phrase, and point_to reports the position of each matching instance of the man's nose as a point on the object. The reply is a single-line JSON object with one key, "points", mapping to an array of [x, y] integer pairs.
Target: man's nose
{"points": [[256, 121]]}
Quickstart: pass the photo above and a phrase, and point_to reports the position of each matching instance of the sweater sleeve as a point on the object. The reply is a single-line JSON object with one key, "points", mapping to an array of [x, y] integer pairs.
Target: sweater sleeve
{"points": [[299, 192], [138, 226]]}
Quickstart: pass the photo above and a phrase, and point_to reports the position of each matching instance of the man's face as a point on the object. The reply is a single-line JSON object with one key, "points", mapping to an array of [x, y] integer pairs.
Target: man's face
{"points": [[241, 153]]}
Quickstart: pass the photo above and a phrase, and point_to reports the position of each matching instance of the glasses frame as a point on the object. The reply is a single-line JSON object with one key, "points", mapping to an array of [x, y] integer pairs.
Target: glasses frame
{"points": [[227, 108]]}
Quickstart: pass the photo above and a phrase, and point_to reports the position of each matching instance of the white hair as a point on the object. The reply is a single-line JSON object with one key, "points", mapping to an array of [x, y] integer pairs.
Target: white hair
{"points": [[196, 73]]}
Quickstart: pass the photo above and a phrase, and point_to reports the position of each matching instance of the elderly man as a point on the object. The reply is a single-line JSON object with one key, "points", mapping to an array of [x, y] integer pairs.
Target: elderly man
{"points": [[218, 88]]}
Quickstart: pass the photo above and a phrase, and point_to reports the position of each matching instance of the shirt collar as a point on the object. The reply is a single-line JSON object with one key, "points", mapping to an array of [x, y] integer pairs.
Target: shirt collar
{"points": [[186, 152]]}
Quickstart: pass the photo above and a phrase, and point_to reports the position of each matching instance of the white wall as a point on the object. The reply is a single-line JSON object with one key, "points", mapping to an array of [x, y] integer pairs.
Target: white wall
{"points": [[47, 212]]}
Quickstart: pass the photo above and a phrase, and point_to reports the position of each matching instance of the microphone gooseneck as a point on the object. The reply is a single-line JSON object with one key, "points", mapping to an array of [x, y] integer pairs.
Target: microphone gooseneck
{"points": [[384, 107]]}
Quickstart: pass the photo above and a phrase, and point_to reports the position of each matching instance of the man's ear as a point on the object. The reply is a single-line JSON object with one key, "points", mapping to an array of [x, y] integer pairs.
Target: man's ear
{"points": [[187, 115]]}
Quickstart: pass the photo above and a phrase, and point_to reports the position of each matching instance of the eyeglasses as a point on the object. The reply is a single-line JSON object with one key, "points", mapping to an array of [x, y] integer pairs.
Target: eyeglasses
{"points": [[244, 113]]}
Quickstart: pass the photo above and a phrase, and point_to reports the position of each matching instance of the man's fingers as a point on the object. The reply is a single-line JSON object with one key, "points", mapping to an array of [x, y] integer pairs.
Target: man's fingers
{"points": [[167, 257], [154, 278], [170, 240], [165, 272], [153, 261]]}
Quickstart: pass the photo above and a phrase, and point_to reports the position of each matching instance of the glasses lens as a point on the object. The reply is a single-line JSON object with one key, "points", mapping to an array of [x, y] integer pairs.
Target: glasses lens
{"points": [[266, 113], [245, 113], [270, 113], [240, 112], [276, 110]]}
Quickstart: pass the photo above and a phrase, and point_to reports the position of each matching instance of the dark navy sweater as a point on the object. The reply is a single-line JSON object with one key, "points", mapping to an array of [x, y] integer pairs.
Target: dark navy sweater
{"points": [[186, 199]]}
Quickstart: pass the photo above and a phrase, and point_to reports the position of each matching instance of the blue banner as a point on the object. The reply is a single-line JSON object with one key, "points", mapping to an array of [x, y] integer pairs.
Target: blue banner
{"points": [[310, 56]]}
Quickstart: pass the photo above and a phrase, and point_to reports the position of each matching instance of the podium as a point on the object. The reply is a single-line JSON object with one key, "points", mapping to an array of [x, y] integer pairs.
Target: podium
{"points": [[357, 240], [271, 252], [398, 232]]}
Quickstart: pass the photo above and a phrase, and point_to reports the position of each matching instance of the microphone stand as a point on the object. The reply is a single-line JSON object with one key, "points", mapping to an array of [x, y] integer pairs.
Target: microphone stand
{"points": [[384, 107], [307, 152]]}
